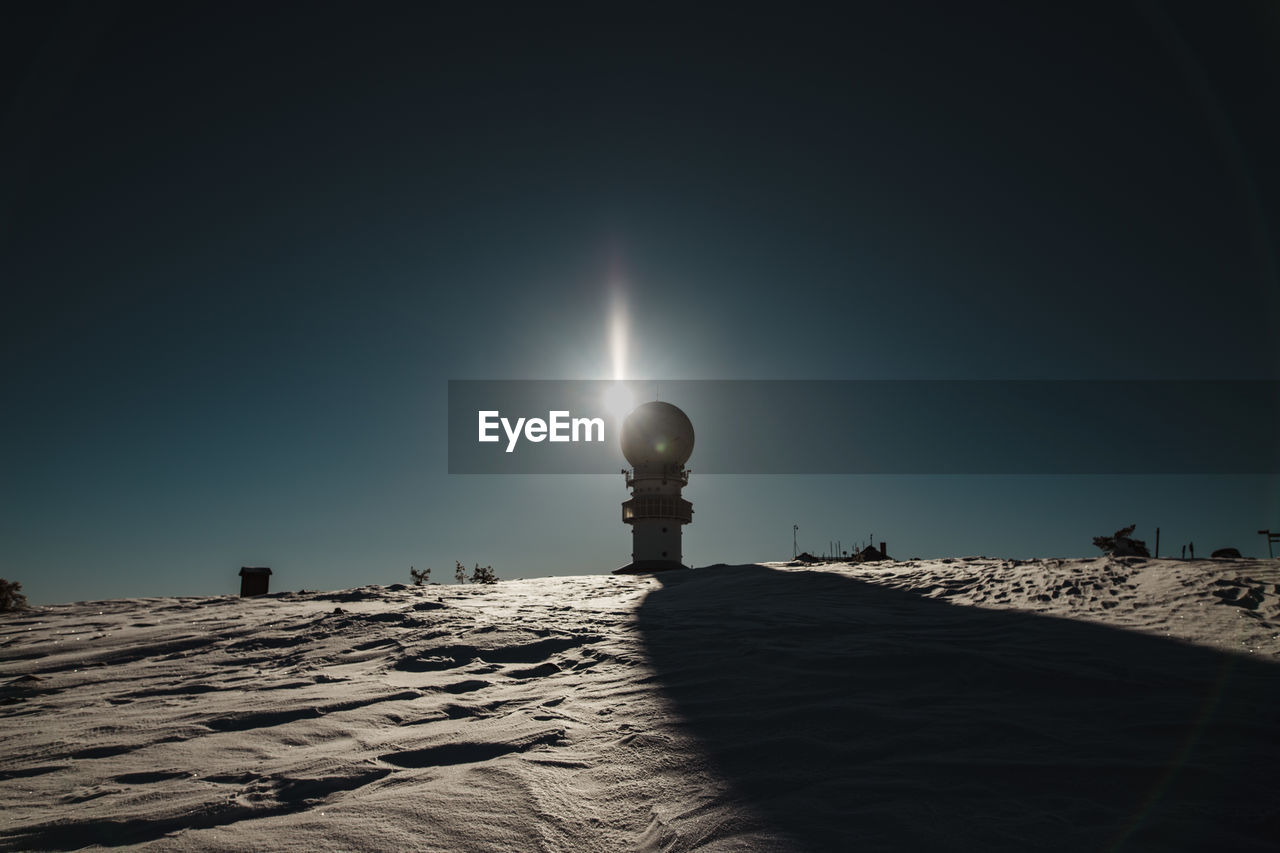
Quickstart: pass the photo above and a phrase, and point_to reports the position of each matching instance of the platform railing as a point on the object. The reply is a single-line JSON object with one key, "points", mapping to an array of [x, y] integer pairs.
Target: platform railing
{"points": [[667, 474], [657, 506]]}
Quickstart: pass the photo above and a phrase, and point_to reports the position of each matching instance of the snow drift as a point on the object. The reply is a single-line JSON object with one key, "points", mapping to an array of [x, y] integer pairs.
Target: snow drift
{"points": [[944, 704]]}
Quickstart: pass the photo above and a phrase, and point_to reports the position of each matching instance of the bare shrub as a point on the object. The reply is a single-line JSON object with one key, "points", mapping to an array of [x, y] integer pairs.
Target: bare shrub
{"points": [[11, 597]]}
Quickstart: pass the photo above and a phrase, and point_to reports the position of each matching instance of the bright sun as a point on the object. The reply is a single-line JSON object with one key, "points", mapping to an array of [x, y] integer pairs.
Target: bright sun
{"points": [[618, 400]]}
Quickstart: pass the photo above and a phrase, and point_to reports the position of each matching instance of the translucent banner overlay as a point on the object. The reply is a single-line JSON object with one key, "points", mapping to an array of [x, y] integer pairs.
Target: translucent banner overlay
{"points": [[878, 426]]}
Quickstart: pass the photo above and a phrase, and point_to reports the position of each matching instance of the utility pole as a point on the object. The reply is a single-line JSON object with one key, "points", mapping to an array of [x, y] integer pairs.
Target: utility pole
{"points": [[1271, 537], [794, 549], [1157, 553]]}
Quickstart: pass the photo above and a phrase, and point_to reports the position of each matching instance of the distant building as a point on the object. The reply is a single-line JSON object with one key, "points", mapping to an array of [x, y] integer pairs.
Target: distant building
{"points": [[871, 554], [254, 580]]}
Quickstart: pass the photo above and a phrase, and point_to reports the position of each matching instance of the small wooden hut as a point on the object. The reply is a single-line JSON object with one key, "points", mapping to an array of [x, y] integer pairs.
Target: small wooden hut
{"points": [[254, 580]]}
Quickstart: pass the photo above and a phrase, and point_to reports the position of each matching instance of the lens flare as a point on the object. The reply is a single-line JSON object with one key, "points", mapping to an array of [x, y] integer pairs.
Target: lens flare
{"points": [[618, 334], [618, 398]]}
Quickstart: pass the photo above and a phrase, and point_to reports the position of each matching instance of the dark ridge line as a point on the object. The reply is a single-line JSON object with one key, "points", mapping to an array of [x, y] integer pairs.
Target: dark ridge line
{"points": [[267, 719], [257, 644], [448, 754], [436, 658], [182, 690], [135, 654], [27, 772], [246, 722], [469, 686], [300, 794], [150, 777]]}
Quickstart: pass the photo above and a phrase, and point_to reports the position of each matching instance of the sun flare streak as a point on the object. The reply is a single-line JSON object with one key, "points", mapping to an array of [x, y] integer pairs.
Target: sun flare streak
{"points": [[619, 399], [618, 337]]}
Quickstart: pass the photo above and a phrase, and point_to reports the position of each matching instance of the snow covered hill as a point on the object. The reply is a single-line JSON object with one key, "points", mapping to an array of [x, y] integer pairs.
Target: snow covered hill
{"points": [[941, 704]]}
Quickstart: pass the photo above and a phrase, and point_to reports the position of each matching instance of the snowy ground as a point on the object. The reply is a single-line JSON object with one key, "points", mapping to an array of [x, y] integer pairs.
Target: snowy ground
{"points": [[941, 704]]}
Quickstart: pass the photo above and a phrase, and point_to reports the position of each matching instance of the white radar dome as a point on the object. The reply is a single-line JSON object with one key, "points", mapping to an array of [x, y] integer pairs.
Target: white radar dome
{"points": [[657, 432]]}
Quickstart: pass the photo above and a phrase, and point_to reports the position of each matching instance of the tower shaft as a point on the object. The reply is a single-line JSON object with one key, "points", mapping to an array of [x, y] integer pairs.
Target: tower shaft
{"points": [[657, 513]]}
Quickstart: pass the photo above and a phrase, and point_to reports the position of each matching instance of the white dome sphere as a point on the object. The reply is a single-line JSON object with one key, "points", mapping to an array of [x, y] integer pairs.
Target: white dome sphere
{"points": [[657, 432]]}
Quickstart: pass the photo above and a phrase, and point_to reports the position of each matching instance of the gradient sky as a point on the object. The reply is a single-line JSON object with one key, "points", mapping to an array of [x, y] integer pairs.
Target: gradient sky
{"points": [[244, 248]]}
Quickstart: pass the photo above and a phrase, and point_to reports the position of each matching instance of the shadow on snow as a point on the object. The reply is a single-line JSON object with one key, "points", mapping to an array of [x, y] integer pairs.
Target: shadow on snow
{"points": [[848, 715]]}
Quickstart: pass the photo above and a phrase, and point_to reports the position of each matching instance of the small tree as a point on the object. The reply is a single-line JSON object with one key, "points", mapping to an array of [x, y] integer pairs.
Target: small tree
{"points": [[420, 577], [1121, 544], [483, 574], [460, 572], [10, 596]]}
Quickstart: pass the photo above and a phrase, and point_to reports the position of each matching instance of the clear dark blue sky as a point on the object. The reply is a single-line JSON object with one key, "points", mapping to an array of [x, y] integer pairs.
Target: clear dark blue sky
{"points": [[244, 247]]}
